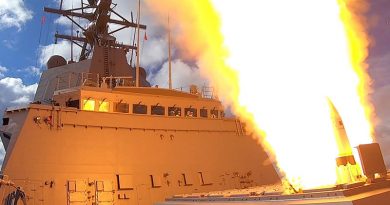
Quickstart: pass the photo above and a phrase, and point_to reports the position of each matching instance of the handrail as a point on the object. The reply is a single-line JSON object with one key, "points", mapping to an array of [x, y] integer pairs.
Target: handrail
{"points": [[113, 82], [71, 79]]}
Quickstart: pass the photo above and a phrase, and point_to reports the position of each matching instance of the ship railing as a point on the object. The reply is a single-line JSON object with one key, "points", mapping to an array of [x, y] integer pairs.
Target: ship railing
{"points": [[209, 92], [90, 79], [72, 79], [67, 80], [204, 92], [116, 82]]}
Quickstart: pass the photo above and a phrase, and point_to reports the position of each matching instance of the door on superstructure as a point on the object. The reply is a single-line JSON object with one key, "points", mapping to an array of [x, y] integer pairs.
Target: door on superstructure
{"points": [[104, 192], [77, 192], [87, 192]]}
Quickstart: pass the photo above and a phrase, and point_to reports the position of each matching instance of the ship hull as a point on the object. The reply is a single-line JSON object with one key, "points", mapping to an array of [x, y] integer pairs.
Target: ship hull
{"points": [[66, 156]]}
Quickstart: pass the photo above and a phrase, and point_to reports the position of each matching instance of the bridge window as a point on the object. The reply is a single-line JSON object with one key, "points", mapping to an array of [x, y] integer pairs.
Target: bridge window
{"points": [[73, 103], [190, 112], [222, 114], [203, 112], [158, 110], [140, 109], [174, 111], [214, 113], [104, 106], [121, 107], [89, 104]]}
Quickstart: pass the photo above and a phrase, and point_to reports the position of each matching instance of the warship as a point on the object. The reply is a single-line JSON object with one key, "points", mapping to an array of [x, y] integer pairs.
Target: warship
{"points": [[98, 133]]}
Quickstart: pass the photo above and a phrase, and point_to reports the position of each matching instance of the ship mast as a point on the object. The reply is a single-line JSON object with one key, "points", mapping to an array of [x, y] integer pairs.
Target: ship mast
{"points": [[138, 54], [71, 40], [98, 14]]}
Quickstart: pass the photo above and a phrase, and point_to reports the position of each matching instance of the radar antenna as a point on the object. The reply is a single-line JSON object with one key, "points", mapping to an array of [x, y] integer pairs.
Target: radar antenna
{"points": [[98, 13]]}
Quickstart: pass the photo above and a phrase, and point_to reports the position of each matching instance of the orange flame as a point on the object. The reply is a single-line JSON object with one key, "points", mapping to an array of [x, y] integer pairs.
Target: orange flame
{"points": [[276, 63]]}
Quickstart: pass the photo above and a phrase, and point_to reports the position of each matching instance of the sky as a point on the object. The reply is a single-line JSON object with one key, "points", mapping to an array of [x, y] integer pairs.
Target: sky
{"points": [[26, 42]]}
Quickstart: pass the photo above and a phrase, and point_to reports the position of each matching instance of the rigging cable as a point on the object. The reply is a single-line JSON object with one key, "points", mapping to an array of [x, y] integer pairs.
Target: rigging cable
{"points": [[71, 38], [132, 50], [49, 19], [142, 47], [55, 40], [43, 21]]}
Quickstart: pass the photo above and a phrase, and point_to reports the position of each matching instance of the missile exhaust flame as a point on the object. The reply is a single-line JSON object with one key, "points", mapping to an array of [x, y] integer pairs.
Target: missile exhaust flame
{"points": [[278, 72]]}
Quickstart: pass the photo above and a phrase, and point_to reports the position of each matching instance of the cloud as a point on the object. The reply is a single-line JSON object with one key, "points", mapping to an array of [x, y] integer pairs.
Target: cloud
{"points": [[62, 20], [62, 48], [15, 92], [183, 75], [32, 70], [13, 14], [380, 73], [2, 71], [69, 4], [10, 44], [154, 52], [381, 101], [379, 69]]}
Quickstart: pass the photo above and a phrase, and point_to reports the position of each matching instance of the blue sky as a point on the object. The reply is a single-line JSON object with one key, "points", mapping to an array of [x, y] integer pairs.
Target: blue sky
{"points": [[19, 45]]}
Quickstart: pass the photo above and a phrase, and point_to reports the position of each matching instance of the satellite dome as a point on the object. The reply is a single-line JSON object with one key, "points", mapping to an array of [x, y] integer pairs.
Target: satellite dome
{"points": [[55, 61]]}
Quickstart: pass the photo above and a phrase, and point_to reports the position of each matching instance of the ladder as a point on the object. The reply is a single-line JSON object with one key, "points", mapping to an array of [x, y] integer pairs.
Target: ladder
{"points": [[106, 66]]}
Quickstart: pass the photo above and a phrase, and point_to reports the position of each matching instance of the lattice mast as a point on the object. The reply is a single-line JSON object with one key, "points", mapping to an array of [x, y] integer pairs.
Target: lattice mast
{"points": [[98, 13]]}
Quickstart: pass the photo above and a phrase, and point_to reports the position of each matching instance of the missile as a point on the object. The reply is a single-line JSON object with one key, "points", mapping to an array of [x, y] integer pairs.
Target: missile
{"points": [[348, 171]]}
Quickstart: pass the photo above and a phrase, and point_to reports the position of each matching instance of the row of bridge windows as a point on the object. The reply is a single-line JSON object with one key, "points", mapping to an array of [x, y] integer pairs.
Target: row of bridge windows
{"points": [[171, 111], [104, 106]]}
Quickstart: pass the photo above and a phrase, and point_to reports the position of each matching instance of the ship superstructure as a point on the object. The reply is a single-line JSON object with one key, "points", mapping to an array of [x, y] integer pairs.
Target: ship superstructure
{"points": [[97, 134]]}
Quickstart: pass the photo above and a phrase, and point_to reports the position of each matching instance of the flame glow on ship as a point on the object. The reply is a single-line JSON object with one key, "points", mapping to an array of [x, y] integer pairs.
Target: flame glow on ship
{"points": [[277, 62]]}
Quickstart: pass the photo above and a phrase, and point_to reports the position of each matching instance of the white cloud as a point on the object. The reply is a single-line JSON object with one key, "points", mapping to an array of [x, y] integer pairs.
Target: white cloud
{"points": [[62, 48], [62, 20], [183, 75], [69, 4], [32, 70], [13, 13], [2, 71], [15, 92], [154, 52]]}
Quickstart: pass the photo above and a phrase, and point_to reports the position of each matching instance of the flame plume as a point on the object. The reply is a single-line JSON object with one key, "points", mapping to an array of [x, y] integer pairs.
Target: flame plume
{"points": [[277, 62]]}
